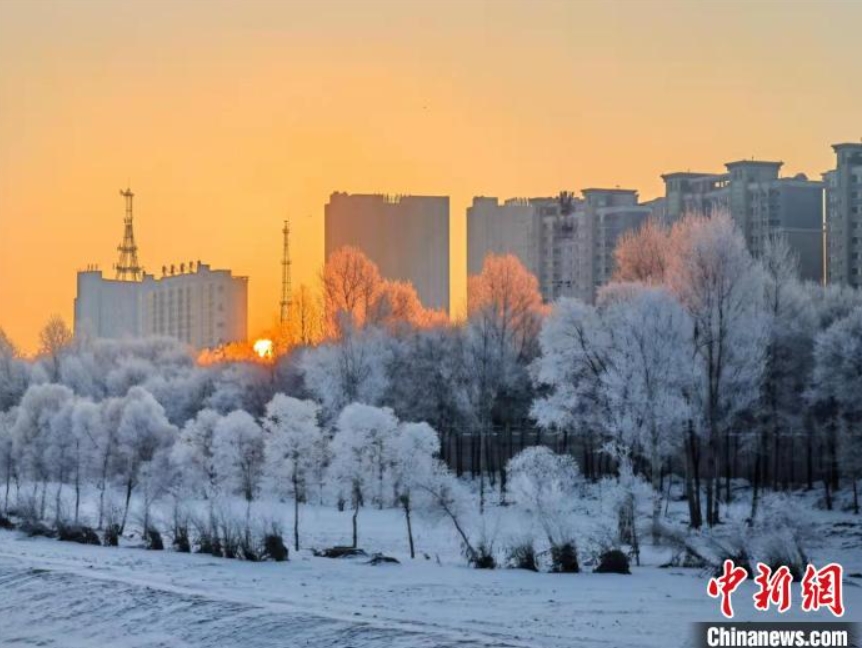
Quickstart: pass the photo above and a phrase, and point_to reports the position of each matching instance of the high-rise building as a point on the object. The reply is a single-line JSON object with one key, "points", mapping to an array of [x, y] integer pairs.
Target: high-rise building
{"points": [[201, 307], [511, 227], [566, 241], [763, 205], [844, 216], [406, 236]]}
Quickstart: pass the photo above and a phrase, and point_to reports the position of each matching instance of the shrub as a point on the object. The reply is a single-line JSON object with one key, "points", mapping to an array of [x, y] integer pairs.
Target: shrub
{"points": [[6, 523], [181, 541], [380, 559], [154, 540], [484, 557], [339, 552], [111, 535], [613, 562], [523, 556], [38, 530], [564, 558], [273, 546], [79, 534]]}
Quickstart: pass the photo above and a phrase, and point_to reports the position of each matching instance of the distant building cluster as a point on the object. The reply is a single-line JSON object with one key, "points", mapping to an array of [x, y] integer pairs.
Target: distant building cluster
{"points": [[192, 303]]}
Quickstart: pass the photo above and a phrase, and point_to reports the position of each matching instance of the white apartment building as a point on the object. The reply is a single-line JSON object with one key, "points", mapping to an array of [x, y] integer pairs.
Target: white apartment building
{"points": [[201, 307]]}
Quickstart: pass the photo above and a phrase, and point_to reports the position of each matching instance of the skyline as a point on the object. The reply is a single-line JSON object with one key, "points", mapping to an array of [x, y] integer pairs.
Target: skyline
{"points": [[227, 122]]}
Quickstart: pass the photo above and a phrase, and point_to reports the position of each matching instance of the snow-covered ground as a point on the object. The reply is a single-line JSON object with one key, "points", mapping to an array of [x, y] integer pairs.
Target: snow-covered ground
{"points": [[70, 596]]}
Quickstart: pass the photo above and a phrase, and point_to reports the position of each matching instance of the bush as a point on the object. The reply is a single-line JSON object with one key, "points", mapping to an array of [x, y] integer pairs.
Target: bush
{"points": [[111, 535], [339, 552], [154, 540], [564, 558], [38, 530], [613, 562], [523, 556], [782, 549], [380, 559], [484, 557], [273, 547], [6, 523], [79, 534], [181, 541]]}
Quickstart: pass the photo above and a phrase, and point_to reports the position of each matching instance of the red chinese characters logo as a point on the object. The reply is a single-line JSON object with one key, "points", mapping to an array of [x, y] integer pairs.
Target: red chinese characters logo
{"points": [[725, 585], [822, 588], [773, 588]]}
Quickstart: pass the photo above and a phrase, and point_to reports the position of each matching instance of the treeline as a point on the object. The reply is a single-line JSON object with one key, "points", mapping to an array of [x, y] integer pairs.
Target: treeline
{"points": [[699, 362]]}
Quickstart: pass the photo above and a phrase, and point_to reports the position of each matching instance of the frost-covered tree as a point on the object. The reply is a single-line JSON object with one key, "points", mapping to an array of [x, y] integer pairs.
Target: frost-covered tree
{"points": [[570, 374], [641, 255], [194, 453], [240, 457], [543, 483], [54, 340], [359, 453], [353, 369], [411, 458], [32, 434], [87, 423], [350, 282], [7, 454], [721, 288], [143, 431], [648, 371], [836, 386], [13, 373], [504, 316], [444, 496], [293, 448]]}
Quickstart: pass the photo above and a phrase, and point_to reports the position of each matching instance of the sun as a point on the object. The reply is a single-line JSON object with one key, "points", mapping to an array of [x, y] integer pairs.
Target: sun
{"points": [[263, 348]]}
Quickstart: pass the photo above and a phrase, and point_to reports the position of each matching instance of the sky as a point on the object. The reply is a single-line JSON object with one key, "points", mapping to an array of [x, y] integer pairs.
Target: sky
{"points": [[225, 118]]}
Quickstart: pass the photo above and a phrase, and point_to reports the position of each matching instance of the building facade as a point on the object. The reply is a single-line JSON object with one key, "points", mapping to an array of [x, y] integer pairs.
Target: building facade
{"points": [[406, 236], [844, 216], [566, 241], [763, 205], [200, 307]]}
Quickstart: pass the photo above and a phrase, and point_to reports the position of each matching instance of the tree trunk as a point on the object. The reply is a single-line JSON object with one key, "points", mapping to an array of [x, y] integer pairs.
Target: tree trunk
{"points": [[77, 493], [406, 503], [126, 508], [355, 515], [295, 519]]}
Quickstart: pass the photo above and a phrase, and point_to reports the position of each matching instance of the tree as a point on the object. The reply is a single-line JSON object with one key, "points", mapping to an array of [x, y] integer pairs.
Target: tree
{"points": [[54, 339], [504, 311], [642, 255], [354, 369], [7, 453], [13, 373], [836, 383], [143, 431], [570, 373], [240, 457], [31, 435], [350, 282], [194, 451], [543, 484], [648, 370], [397, 309], [293, 446], [411, 456], [718, 283], [359, 453]]}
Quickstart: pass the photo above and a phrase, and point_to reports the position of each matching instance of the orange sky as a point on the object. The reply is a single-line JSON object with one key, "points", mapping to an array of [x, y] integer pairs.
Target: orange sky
{"points": [[227, 117]]}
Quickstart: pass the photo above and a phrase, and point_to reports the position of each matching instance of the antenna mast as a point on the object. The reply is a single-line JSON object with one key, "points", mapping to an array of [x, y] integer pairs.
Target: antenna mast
{"points": [[128, 268], [285, 273]]}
